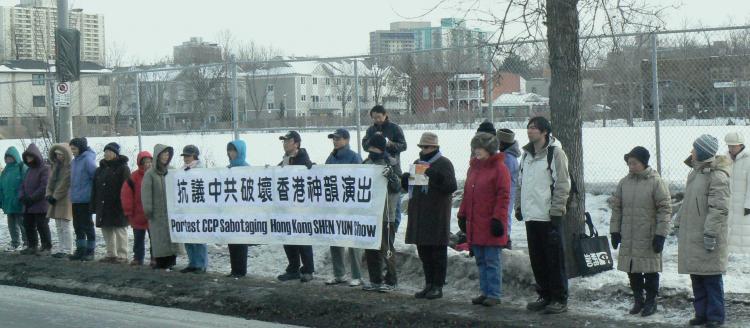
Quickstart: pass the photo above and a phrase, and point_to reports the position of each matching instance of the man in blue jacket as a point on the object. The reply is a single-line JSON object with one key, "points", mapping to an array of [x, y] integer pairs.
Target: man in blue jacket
{"points": [[343, 154], [83, 168]]}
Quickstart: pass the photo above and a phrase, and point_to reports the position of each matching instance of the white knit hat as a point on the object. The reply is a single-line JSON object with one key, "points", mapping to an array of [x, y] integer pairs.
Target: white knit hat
{"points": [[734, 139]]}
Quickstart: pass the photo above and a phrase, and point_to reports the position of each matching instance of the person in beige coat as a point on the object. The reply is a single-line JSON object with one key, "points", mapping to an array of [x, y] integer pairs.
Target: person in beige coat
{"points": [[58, 197], [702, 230], [641, 213], [154, 198]]}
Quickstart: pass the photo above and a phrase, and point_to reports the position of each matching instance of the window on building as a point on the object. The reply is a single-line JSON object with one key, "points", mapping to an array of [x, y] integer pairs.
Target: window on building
{"points": [[269, 106], [315, 80], [37, 79], [303, 98], [338, 81], [39, 101], [3, 121], [104, 80], [426, 93], [269, 87], [328, 81], [339, 98], [348, 98], [315, 98], [103, 101], [302, 80], [439, 92], [91, 119]]}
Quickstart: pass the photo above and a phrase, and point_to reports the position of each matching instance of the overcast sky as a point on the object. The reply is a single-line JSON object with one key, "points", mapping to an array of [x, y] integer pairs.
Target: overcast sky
{"points": [[148, 29]]}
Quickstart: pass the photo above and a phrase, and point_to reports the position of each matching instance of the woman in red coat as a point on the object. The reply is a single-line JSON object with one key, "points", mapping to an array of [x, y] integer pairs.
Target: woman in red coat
{"points": [[484, 214], [130, 195]]}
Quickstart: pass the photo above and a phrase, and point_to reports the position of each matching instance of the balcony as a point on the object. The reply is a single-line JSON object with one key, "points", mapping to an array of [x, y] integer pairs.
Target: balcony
{"points": [[466, 94]]}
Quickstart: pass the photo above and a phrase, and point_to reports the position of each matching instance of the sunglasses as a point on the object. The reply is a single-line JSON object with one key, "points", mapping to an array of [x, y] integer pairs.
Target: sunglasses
{"points": [[425, 147]]}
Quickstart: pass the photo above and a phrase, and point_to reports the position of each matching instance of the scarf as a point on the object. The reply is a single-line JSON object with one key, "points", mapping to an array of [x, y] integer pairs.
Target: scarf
{"points": [[430, 161]]}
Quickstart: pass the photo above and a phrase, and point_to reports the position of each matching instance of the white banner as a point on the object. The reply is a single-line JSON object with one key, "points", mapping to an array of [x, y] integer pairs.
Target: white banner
{"points": [[337, 205]]}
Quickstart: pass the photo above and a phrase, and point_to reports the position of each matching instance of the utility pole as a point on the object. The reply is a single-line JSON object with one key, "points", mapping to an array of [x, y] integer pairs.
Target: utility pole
{"points": [[65, 132]]}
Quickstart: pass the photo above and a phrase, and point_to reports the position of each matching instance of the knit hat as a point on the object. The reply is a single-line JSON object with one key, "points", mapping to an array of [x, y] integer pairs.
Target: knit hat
{"points": [[639, 153], [734, 139], [428, 139], [81, 143], [114, 147], [506, 136], [191, 150], [705, 147], [486, 141], [486, 127], [377, 141]]}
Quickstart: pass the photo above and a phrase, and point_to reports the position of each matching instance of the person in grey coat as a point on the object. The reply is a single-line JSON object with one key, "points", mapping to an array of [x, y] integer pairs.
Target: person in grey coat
{"points": [[154, 198]]}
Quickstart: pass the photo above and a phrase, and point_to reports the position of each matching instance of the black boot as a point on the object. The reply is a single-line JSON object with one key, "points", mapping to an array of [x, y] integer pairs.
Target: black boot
{"points": [[652, 289], [77, 255], [636, 284], [424, 291], [434, 293]]}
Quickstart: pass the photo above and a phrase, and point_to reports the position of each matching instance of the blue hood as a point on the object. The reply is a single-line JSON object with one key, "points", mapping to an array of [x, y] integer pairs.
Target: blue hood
{"points": [[241, 153]]}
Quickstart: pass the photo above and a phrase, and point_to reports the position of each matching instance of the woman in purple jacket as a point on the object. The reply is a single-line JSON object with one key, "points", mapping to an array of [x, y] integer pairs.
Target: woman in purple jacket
{"points": [[35, 206]]}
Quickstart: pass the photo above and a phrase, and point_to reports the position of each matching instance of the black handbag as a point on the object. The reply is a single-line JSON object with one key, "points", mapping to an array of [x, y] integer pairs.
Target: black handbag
{"points": [[592, 251]]}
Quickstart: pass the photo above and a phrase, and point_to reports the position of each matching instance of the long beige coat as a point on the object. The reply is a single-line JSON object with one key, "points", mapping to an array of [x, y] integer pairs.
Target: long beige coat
{"points": [[641, 209], [154, 198], [704, 212], [58, 185]]}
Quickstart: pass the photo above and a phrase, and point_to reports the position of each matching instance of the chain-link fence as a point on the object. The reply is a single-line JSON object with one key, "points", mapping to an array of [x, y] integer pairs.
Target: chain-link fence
{"points": [[703, 87]]}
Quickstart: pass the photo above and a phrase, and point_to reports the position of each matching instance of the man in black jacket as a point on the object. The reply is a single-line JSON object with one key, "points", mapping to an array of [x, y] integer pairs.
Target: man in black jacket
{"points": [[294, 155]]}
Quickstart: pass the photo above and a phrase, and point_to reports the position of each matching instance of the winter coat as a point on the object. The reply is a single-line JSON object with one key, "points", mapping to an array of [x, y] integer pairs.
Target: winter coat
{"points": [[394, 186], [105, 197], [486, 197], [430, 208], [82, 174], [344, 156], [512, 154], [241, 154], [35, 182], [393, 133], [302, 158], [704, 212], [641, 209], [10, 181], [739, 223], [130, 195], [154, 199], [58, 185], [536, 201]]}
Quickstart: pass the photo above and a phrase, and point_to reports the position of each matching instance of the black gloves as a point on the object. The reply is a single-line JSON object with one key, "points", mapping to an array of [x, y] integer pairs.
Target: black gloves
{"points": [[616, 239], [747, 211], [658, 243], [309, 165], [405, 180], [187, 168], [51, 200], [519, 215], [462, 223], [496, 227], [556, 222]]}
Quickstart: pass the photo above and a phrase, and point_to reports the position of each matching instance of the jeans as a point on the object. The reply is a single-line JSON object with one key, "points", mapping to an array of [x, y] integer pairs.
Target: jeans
{"points": [[37, 223], [139, 244], [434, 263], [64, 237], [197, 256], [296, 252], [238, 258], [490, 265], [83, 226], [547, 261], [116, 240], [385, 255], [398, 214], [338, 256], [709, 297], [16, 229]]}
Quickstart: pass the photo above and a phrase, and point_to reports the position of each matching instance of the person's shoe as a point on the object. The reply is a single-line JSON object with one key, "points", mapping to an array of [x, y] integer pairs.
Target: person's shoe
{"points": [[713, 324], [697, 321], [120, 260], [306, 277], [77, 255], [538, 305], [287, 276], [509, 245], [44, 252], [423, 292], [59, 255], [434, 293], [355, 283], [136, 263], [637, 306], [29, 251], [108, 259], [11, 249], [188, 270], [372, 287], [478, 300], [489, 301], [199, 271], [335, 281], [556, 308], [88, 255], [649, 308], [385, 288]]}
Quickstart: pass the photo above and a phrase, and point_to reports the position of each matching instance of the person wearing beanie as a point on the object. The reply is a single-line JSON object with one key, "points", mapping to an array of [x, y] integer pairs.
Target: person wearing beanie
{"points": [[486, 127], [509, 146], [31, 194], [483, 214], [83, 169], [10, 181], [640, 222], [237, 154], [132, 205], [58, 197], [704, 213], [113, 171], [386, 255], [739, 209], [197, 253], [543, 211]]}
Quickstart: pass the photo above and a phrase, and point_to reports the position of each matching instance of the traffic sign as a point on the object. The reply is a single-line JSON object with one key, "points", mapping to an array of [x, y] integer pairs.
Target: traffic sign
{"points": [[62, 94]]}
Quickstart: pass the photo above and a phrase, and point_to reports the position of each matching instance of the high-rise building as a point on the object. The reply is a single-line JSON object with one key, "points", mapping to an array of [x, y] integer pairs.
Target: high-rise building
{"points": [[409, 36], [196, 51], [27, 31]]}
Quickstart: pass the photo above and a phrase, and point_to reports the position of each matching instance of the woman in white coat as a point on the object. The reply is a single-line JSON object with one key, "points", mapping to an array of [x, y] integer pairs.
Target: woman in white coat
{"points": [[739, 209]]}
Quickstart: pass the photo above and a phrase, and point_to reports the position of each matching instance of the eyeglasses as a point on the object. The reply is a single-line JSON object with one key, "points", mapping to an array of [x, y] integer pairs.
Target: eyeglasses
{"points": [[425, 147]]}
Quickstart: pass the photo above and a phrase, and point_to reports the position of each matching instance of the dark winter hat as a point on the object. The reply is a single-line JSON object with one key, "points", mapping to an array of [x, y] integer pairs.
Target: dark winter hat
{"points": [[705, 147], [486, 127], [114, 147], [486, 141], [81, 143], [292, 135], [377, 141], [190, 150], [639, 153], [506, 136], [339, 133]]}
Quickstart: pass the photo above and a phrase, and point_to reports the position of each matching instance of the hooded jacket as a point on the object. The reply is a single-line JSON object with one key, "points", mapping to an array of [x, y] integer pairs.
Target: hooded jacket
{"points": [[393, 133], [58, 186], [535, 200], [10, 181], [82, 173], [486, 197], [35, 182], [154, 199], [105, 197], [130, 195], [739, 223], [241, 159]]}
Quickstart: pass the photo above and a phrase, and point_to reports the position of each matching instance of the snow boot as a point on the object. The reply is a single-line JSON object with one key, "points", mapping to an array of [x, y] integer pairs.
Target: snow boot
{"points": [[652, 290], [636, 284], [421, 294], [434, 293]]}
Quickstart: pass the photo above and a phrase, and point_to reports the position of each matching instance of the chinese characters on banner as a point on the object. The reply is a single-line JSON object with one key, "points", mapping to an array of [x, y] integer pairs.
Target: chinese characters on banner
{"points": [[339, 205]]}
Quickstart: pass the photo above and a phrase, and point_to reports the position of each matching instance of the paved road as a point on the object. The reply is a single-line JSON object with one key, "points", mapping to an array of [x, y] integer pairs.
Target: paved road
{"points": [[23, 308]]}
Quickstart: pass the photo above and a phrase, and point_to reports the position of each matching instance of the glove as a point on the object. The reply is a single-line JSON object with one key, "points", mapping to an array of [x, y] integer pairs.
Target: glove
{"points": [[51, 200], [556, 222], [387, 171], [709, 243], [519, 215], [658, 243], [405, 180], [187, 168], [309, 165], [496, 227], [747, 211], [462, 224], [616, 240]]}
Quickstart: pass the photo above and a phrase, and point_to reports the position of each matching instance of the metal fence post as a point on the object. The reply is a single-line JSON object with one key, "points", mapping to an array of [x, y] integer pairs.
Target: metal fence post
{"points": [[356, 106], [490, 87], [138, 128], [235, 118], [655, 97]]}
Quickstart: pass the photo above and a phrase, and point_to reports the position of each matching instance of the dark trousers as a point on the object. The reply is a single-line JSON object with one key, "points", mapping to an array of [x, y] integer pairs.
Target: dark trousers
{"points": [[709, 297], [165, 262], [644, 281], [434, 263], [385, 255], [295, 253], [37, 224], [139, 244], [547, 261], [83, 225], [238, 258]]}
